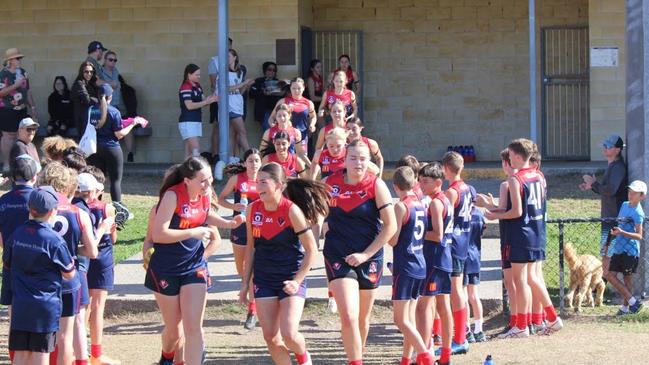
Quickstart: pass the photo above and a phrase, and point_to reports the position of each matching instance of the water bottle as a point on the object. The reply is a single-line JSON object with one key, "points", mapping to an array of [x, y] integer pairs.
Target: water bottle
{"points": [[244, 201], [489, 361], [19, 74]]}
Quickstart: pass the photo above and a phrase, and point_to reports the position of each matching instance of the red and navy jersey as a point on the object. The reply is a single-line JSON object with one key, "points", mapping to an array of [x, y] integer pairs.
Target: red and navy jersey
{"points": [[14, 210], [98, 214], [330, 97], [245, 186], [528, 230], [68, 225], [292, 135], [408, 253], [182, 257], [461, 218], [350, 77], [472, 264], [330, 164], [290, 165], [190, 92], [36, 255], [278, 251], [438, 254], [83, 262], [354, 219], [300, 112]]}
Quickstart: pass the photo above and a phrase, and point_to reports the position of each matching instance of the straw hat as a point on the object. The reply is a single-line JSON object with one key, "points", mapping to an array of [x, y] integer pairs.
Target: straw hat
{"points": [[12, 53]]}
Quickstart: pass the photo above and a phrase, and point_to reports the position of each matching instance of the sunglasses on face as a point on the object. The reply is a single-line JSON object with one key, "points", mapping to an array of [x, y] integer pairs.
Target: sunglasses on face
{"points": [[32, 130], [19, 58], [111, 59]]}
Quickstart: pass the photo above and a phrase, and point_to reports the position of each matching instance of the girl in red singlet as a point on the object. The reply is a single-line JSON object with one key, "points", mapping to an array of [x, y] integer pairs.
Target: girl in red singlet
{"points": [[278, 152], [339, 92], [355, 127], [331, 159], [337, 112], [282, 115]]}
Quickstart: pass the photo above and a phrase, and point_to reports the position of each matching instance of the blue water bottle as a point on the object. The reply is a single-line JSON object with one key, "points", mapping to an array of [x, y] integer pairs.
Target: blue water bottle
{"points": [[489, 361], [244, 201]]}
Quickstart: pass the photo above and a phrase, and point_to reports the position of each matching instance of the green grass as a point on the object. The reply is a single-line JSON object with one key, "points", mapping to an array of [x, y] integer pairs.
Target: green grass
{"points": [[129, 240]]}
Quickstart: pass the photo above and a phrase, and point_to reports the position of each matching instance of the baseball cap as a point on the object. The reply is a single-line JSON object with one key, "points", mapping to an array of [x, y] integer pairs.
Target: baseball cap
{"points": [[108, 90], [87, 182], [24, 167], [95, 45], [613, 141], [27, 122], [638, 186], [43, 200]]}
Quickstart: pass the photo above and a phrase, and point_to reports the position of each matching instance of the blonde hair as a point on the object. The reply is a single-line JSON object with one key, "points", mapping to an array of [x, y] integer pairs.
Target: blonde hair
{"points": [[61, 178], [336, 134], [453, 161], [55, 146]]}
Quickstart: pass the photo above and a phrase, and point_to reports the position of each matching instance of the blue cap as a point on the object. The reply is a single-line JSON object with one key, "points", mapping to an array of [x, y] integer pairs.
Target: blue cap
{"points": [[613, 141], [43, 200], [95, 45], [108, 90]]}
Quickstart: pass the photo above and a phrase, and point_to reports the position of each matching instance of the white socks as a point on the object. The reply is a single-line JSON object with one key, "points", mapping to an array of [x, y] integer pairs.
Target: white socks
{"points": [[477, 326]]}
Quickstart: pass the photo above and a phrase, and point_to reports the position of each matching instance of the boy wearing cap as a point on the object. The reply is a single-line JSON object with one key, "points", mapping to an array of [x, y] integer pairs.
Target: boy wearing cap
{"points": [[625, 250], [39, 259], [24, 144]]}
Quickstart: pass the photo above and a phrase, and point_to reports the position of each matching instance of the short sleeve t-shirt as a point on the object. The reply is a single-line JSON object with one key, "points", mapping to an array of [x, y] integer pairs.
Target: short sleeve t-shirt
{"points": [[17, 99], [106, 134], [37, 257], [625, 245], [190, 92], [21, 148]]}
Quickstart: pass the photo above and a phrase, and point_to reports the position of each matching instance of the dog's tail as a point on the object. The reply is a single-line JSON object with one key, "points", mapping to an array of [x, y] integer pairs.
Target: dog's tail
{"points": [[571, 255]]}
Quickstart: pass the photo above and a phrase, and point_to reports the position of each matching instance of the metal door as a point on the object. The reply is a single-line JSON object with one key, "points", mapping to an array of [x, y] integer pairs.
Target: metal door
{"points": [[565, 93], [329, 45]]}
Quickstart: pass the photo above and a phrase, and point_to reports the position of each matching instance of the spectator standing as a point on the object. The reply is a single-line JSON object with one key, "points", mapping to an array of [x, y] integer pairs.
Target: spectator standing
{"points": [[84, 94], [314, 82], [95, 54], [16, 101], [612, 189], [59, 107], [191, 102], [23, 145], [266, 91]]}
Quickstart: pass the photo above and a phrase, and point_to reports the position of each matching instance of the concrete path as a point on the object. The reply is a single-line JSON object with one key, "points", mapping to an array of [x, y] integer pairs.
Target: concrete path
{"points": [[129, 276]]}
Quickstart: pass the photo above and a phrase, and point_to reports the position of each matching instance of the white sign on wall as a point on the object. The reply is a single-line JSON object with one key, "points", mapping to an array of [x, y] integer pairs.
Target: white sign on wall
{"points": [[604, 57]]}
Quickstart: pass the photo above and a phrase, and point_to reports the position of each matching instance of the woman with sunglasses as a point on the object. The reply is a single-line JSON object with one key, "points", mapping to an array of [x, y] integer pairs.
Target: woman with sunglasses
{"points": [[16, 101], [84, 93]]}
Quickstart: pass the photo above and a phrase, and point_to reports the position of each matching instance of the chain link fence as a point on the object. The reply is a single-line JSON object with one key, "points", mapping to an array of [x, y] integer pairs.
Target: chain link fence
{"points": [[573, 269]]}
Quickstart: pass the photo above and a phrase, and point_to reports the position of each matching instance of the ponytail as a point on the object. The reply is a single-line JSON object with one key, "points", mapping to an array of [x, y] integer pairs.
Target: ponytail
{"points": [[178, 172], [236, 169], [309, 195], [270, 148]]}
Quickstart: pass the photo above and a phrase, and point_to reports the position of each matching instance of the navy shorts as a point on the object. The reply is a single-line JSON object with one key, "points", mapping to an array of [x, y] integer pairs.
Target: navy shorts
{"points": [[521, 255], [5, 291], [471, 279], [624, 264], [235, 115], [368, 274], [100, 277], [504, 257], [262, 291], [437, 282], [405, 287], [238, 235], [84, 294], [170, 285], [71, 303], [32, 341], [458, 267]]}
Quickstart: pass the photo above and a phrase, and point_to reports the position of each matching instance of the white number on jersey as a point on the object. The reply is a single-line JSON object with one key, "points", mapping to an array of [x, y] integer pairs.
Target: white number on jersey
{"points": [[419, 225], [465, 211], [536, 196], [61, 225]]}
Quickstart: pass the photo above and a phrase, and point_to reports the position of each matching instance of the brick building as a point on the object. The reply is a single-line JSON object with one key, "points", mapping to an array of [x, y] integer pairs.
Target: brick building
{"points": [[435, 72]]}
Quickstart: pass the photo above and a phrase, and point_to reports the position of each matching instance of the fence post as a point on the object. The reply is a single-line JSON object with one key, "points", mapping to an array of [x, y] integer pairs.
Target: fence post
{"points": [[562, 285]]}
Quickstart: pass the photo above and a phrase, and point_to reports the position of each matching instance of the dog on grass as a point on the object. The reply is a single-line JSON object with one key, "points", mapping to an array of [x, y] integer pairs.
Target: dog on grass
{"points": [[585, 277]]}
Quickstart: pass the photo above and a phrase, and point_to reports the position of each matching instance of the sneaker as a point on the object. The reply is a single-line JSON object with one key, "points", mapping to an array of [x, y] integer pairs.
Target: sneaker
{"points": [[540, 329], [620, 312], [534, 329], [502, 332], [122, 215], [251, 321], [218, 170], [164, 361], [103, 360], [332, 307], [469, 336], [515, 332], [554, 326], [480, 337], [129, 157], [636, 307], [456, 349], [437, 362], [437, 340]]}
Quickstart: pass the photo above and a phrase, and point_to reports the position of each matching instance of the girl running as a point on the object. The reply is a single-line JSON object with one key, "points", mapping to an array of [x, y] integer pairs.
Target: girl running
{"points": [[279, 153], [279, 254], [303, 115], [355, 127], [353, 247], [339, 92], [177, 270], [332, 159], [282, 123], [337, 121], [243, 184], [353, 81]]}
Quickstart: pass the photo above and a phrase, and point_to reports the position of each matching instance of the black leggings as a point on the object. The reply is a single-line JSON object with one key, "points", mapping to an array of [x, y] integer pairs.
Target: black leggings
{"points": [[111, 162]]}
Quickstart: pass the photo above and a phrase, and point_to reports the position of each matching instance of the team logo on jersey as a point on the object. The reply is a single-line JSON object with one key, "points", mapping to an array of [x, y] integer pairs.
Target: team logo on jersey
{"points": [[373, 274], [269, 220], [331, 99], [373, 267], [244, 187], [335, 190], [432, 286], [362, 194], [325, 168], [201, 273], [164, 284], [336, 266], [325, 160], [256, 232], [183, 224], [258, 219], [281, 221], [185, 211]]}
